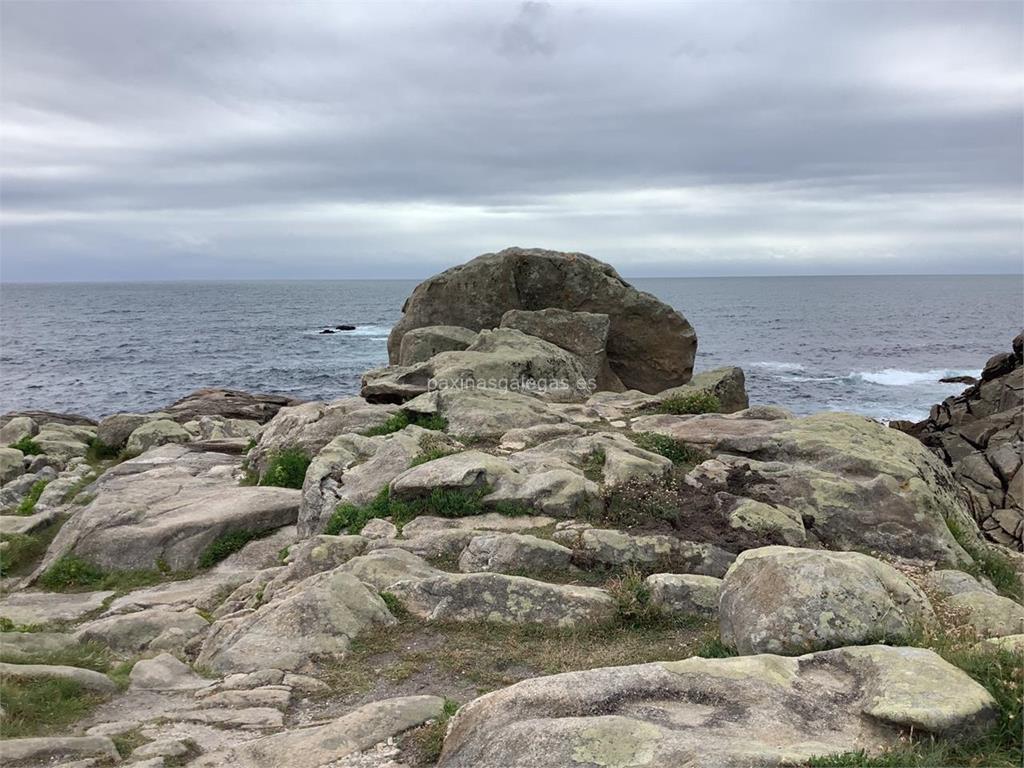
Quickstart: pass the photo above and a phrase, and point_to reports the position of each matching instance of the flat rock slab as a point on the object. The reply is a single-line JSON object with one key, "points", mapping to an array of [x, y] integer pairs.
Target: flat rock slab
{"points": [[26, 523], [87, 678], [322, 745], [502, 599], [749, 711], [165, 509], [48, 749], [45, 607]]}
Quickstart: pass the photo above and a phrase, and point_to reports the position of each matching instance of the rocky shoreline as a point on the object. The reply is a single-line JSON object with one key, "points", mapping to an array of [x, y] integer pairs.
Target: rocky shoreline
{"points": [[535, 539]]}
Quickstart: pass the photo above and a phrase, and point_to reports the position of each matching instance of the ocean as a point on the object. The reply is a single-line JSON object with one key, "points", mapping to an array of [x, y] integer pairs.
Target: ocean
{"points": [[872, 345]]}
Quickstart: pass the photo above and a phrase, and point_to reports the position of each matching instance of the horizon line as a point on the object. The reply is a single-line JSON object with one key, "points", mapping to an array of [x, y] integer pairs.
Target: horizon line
{"points": [[421, 279]]}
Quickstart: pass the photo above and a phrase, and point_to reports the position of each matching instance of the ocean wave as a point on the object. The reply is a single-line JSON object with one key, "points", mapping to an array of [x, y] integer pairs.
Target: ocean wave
{"points": [[773, 365], [362, 331], [896, 377]]}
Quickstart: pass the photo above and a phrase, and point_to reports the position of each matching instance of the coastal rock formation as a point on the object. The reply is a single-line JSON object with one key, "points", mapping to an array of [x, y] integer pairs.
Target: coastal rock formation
{"points": [[421, 344], [979, 434], [791, 601], [163, 509], [229, 403], [736, 711], [650, 345], [853, 483]]}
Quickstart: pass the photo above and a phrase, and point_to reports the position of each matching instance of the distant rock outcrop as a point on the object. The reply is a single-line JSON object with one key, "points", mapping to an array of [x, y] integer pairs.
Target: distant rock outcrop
{"points": [[979, 434]]}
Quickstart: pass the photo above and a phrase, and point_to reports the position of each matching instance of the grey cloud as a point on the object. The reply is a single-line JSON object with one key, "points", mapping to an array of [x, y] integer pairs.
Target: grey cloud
{"points": [[235, 139]]}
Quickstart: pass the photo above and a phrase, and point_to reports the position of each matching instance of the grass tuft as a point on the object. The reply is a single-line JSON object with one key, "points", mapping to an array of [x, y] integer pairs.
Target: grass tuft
{"points": [[40, 706], [99, 451], [28, 446], [72, 574], [677, 452], [28, 504], [694, 402], [286, 469], [403, 419], [989, 563], [227, 544]]}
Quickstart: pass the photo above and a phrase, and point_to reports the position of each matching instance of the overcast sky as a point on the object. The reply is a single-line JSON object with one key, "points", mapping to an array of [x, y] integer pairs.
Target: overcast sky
{"points": [[150, 140]]}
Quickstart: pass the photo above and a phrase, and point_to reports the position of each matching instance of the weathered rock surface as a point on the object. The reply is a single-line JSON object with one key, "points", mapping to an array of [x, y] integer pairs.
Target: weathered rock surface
{"points": [[164, 673], [151, 434], [229, 403], [17, 428], [64, 442], [318, 616], [326, 744], [729, 712], [484, 413], [727, 384], [42, 418], [790, 601], [979, 434], [11, 464], [584, 334], [47, 749], [503, 600], [310, 426], [353, 469], [611, 547], [684, 593], [514, 553], [650, 346], [44, 607], [421, 344], [88, 679], [135, 632], [854, 483], [502, 359], [114, 430], [165, 508]]}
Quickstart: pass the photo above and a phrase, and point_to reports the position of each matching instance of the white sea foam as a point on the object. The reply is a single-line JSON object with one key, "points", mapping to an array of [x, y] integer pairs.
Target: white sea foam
{"points": [[896, 377], [773, 365]]}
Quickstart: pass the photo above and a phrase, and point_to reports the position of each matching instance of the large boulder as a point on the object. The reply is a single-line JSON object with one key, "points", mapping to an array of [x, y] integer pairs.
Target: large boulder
{"points": [[229, 403], [650, 345], [42, 418], [17, 428], [483, 413], [63, 441], [421, 344], [747, 711], [315, 617], [12, 465], [787, 600], [854, 483], [310, 426], [151, 434], [503, 359], [164, 508], [514, 553], [114, 430]]}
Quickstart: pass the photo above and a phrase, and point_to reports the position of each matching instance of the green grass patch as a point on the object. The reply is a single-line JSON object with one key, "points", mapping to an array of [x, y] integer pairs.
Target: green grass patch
{"points": [[286, 469], [42, 706], [394, 605], [442, 502], [677, 452], [28, 446], [28, 504], [693, 402], [89, 655], [988, 562], [403, 419], [432, 453], [99, 452], [21, 552], [227, 544], [128, 742], [424, 744], [593, 467], [73, 493], [73, 574]]}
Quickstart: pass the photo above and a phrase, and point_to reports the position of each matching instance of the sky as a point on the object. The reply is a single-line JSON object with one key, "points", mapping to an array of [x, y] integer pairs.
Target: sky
{"points": [[219, 140]]}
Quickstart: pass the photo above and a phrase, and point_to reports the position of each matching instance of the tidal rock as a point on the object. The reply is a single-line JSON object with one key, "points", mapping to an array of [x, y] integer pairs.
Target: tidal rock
{"points": [[502, 599], [684, 594], [229, 403], [164, 509], [650, 346], [318, 616], [42, 418], [331, 742], [747, 711], [421, 344], [787, 600]]}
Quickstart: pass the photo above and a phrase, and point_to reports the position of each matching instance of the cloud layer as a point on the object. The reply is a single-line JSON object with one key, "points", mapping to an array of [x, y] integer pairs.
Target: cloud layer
{"points": [[210, 140]]}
